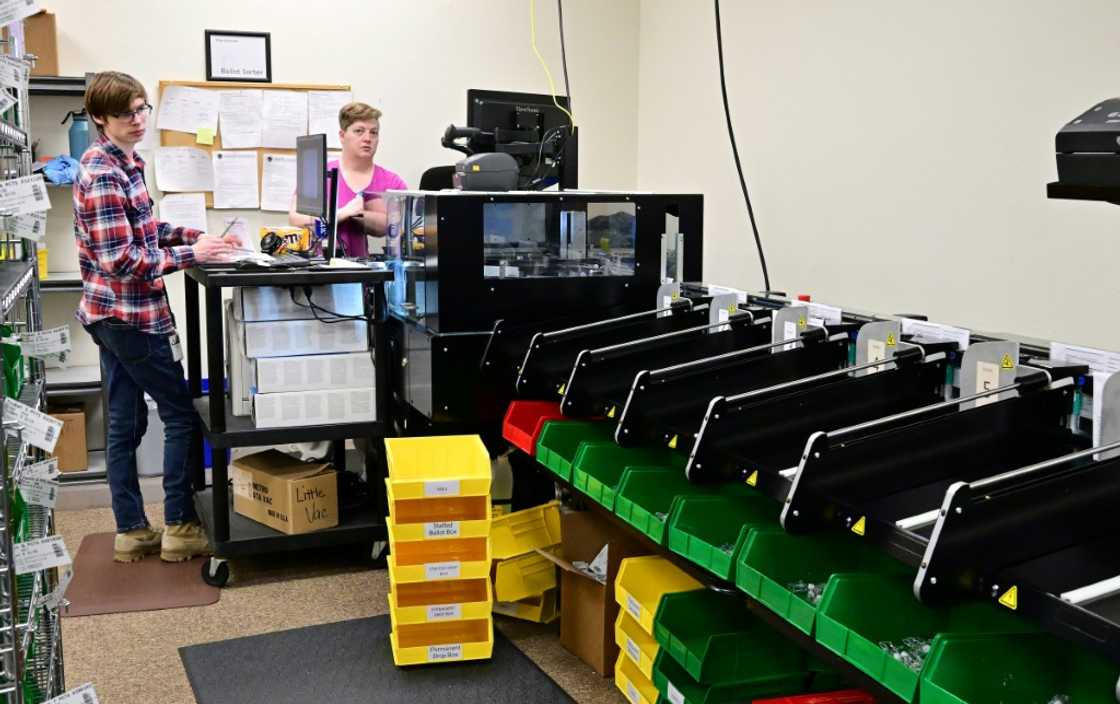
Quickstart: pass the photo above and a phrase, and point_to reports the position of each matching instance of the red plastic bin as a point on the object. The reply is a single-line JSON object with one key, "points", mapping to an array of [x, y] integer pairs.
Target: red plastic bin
{"points": [[848, 696], [524, 421]]}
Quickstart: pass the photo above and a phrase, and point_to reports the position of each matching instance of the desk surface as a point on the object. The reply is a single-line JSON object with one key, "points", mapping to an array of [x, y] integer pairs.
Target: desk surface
{"points": [[229, 275]]}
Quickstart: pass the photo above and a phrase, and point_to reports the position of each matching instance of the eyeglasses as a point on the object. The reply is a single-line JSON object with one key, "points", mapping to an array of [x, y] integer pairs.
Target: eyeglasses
{"points": [[142, 111]]}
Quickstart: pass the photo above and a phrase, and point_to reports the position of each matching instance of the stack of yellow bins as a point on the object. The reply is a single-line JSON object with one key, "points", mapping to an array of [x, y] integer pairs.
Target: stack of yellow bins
{"points": [[524, 580], [439, 549]]}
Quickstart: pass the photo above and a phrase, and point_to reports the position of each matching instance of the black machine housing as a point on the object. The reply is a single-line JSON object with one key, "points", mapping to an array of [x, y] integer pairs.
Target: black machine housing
{"points": [[1088, 147]]}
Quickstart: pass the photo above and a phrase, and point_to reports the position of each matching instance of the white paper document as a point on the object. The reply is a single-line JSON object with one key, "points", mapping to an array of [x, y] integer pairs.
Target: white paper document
{"points": [[20, 196], [186, 109], [40, 554], [40, 492], [278, 182], [13, 73], [285, 118], [936, 332], [241, 118], [235, 180], [183, 169], [39, 429], [184, 210], [32, 226], [47, 469], [79, 695], [15, 10], [322, 113]]}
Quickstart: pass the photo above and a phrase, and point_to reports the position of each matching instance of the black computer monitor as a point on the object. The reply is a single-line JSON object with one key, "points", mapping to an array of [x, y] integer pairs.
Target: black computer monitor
{"points": [[311, 175], [533, 130]]}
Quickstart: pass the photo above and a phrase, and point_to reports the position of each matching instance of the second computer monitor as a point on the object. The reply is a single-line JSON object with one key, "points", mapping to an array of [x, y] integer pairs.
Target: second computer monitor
{"points": [[533, 129], [311, 176]]}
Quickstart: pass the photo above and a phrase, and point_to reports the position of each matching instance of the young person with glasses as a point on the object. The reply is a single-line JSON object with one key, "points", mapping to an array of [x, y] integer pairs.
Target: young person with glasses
{"points": [[123, 253]]}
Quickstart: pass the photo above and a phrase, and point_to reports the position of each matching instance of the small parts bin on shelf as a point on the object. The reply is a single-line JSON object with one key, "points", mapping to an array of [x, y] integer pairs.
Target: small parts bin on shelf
{"points": [[439, 537]]}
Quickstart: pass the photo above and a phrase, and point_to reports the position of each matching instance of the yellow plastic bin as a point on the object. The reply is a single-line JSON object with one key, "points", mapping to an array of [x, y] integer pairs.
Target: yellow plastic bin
{"points": [[543, 608], [523, 576], [433, 560], [520, 532], [439, 518], [635, 686], [641, 583], [438, 467], [441, 641], [424, 602], [636, 644]]}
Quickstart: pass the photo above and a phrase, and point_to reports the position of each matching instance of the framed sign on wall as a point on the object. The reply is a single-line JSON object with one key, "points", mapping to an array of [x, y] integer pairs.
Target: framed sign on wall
{"points": [[238, 56]]}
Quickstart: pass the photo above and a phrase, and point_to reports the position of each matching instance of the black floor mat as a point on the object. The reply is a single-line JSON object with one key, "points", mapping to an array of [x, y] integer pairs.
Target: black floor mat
{"points": [[352, 661]]}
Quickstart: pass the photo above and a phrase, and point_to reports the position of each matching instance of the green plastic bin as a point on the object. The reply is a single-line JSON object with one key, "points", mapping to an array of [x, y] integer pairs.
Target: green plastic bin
{"points": [[711, 530], [646, 496], [598, 467], [677, 686], [1024, 669], [13, 365], [772, 560], [859, 611], [560, 439], [716, 639]]}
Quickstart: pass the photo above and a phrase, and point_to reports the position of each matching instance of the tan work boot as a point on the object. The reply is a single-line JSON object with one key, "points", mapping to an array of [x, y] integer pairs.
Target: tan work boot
{"points": [[135, 544], [184, 541]]}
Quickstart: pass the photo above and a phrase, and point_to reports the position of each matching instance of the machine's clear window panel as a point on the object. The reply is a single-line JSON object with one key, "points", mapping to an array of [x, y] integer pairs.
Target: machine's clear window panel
{"points": [[540, 240]]}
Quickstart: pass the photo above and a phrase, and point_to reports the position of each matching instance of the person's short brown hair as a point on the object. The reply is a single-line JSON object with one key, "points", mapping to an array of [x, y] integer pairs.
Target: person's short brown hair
{"points": [[112, 92], [356, 112]]}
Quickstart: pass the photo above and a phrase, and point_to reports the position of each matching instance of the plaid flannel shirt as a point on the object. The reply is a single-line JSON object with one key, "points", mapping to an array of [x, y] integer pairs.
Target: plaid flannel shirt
{"points": [[122, 249]]}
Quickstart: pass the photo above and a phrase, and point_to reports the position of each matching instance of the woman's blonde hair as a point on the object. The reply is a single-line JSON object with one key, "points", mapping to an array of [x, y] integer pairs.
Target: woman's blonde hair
{"points": [[356, 112]]}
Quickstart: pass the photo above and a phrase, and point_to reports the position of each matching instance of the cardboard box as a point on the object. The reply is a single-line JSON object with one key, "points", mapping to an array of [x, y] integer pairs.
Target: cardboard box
{"points": [[41, 39], [321, 407], [71, 447], [239, 367], [284, 493], [587, 608], [292, 338], [267, 303], [317, 371]]}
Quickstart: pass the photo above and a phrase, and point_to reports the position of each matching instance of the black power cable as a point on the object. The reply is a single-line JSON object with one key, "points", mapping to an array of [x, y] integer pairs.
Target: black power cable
{"points": [[564, 54], [735, 152]]}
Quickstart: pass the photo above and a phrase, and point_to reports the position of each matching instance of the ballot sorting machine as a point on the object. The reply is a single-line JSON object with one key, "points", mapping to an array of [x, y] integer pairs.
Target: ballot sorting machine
{"points": [[477, 273], [987, 466]]}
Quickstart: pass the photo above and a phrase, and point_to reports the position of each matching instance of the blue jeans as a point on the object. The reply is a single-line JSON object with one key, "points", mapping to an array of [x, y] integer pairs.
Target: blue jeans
{"points": [[135, 363]]}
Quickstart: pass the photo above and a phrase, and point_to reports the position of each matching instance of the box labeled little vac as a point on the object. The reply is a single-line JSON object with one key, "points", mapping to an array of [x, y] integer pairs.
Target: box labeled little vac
{"points": [[284, 493]]}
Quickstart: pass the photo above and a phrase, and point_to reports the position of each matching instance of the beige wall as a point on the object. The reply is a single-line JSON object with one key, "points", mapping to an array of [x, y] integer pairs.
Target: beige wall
{"points": [[414, 60], [897, 151]]}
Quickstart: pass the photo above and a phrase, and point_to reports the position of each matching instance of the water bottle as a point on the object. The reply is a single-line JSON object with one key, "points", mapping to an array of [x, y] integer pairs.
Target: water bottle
{"points": [[79, 132]]}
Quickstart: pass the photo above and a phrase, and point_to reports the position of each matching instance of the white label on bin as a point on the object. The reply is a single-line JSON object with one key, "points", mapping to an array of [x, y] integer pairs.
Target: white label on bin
{"points": [[675, 695], [442, 529], [634, 607], [445, 652], [633, 693], [449, 488], [441, 570], [40, 554], [633, 651], [442, 612], [41, 492]]}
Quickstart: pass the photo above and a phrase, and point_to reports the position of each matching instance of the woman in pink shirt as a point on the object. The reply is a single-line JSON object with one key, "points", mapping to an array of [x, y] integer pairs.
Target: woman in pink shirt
{"points": [[361, 183]]}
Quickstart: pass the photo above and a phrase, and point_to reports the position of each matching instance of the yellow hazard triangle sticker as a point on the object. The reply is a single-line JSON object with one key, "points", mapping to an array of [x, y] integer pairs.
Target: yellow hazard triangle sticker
{"points": [[673, 443], [1010, 598], [860, 527], [611, 412], [753, 479], [562, 389], [890, 340], [1007, 362]]}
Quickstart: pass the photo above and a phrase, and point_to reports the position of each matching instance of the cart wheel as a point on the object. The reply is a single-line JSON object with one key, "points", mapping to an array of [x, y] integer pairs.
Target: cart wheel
{"points": [[377, 554], [215, 572]]}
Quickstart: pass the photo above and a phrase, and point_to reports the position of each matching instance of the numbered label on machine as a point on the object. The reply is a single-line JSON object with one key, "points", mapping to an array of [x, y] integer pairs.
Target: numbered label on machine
{"points": [[39, 429]]}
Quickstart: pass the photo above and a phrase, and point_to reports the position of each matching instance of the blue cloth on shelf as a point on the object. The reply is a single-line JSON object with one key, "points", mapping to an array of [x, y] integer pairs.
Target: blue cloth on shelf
{"points": [[62, 169]]}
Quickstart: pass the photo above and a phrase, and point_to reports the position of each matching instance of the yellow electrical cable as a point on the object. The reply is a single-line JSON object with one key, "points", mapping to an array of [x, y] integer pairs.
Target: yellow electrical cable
{"points": [[547, 73]]}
